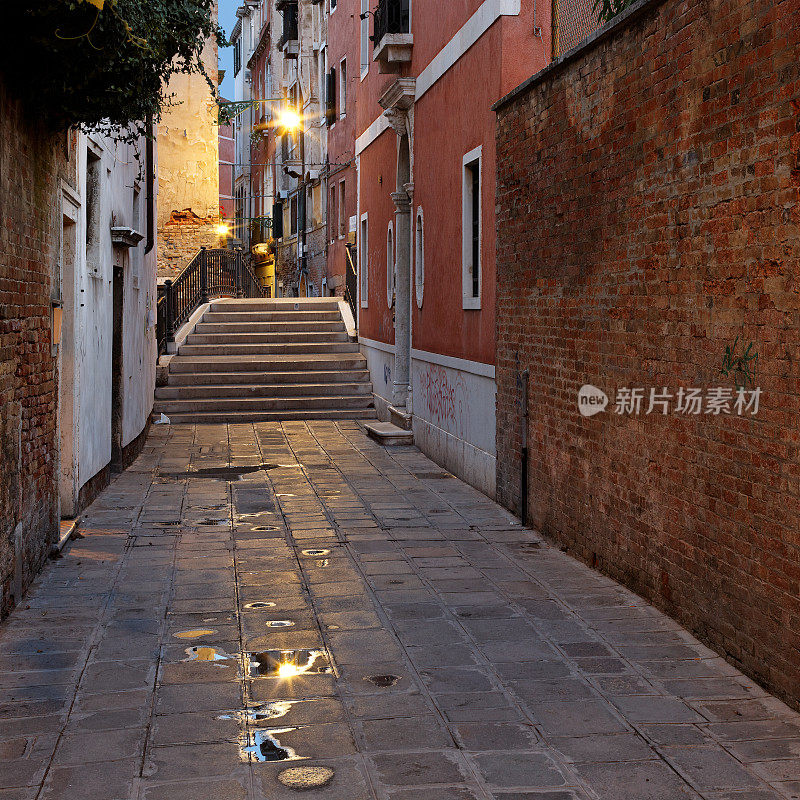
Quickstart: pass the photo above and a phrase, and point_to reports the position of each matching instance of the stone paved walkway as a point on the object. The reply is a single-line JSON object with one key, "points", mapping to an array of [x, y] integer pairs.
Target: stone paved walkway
{"points": [[470, 659]]}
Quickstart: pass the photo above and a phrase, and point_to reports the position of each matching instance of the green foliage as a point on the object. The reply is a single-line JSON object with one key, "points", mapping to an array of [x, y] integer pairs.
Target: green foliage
{"points": [[100, 65], [738, 366], [606, 10]]}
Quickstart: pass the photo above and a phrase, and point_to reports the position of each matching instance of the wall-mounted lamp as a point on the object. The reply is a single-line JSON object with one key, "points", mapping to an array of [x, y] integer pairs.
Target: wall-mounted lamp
{"points": [[56, 313]]}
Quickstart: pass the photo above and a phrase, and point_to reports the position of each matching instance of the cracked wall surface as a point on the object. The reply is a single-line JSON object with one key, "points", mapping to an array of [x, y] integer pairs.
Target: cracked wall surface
{"points": [[188, 174]]}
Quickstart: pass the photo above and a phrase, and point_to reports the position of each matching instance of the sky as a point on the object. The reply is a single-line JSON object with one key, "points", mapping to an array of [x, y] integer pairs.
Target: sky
{"points": [[227, 19]]}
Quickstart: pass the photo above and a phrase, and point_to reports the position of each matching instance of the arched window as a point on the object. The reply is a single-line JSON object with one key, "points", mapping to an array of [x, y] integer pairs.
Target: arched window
{"points": [[419, 256], [389, 265]]}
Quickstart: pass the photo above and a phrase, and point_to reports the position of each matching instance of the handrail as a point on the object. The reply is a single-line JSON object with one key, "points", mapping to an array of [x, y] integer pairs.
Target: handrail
{"points": [[351, 282], [212, 272]]}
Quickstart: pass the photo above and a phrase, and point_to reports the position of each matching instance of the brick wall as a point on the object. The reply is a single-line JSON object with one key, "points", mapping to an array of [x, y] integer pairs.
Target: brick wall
{"points": [[648, 214], [31, 164]]}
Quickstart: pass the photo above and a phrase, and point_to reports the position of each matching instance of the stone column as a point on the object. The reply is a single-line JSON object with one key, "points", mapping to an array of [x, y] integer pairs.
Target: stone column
{"points": [[402, 320]]}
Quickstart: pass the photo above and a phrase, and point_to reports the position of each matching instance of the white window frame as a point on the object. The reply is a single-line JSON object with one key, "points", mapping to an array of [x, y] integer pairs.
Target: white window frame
{"points": [[332, 6], [364, 39], [419, 255], [342, 88], [363, 260], [468, 301], [390, 264]]}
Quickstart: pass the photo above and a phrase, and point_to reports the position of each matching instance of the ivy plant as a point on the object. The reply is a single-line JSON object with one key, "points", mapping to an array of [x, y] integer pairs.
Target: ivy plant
{"points": [[606, 10], [101, 64]]}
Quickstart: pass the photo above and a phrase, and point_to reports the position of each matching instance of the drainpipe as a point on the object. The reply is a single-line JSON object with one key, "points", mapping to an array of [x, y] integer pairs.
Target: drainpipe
{"points": [[150, 178], [523, 380]]}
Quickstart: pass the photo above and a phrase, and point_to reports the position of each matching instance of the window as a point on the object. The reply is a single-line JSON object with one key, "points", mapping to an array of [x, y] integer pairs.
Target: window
{"points": [[333, 6], [471, 230], [93, 190], [364, 37], [342, 87], [293, 216], [237, 57], [389, 265], [342, 212], [330, 98], [332, 218], [419, 257], [363, 266]]}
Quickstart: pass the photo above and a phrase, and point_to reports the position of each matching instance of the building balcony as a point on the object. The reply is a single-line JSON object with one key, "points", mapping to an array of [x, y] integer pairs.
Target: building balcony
{"points": [[289, 42], [392, 37]]}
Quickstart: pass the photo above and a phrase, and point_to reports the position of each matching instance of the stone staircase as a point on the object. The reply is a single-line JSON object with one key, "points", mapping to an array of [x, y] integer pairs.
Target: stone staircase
{"points": [[259, 360]]}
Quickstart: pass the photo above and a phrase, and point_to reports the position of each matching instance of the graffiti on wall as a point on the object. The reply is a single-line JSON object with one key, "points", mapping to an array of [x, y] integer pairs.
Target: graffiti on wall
{"points": [[445, 399]]}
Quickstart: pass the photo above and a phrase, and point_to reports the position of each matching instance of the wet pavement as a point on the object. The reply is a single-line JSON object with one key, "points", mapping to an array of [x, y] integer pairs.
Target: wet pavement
{"points": [[278, 611]]}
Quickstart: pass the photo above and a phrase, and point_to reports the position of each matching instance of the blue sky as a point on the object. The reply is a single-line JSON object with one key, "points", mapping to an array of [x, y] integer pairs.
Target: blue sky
{"points": [[227, 19]]}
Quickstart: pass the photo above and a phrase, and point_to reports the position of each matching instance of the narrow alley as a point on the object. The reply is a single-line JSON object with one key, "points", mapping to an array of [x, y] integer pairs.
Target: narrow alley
{"points": [[257, 608]]}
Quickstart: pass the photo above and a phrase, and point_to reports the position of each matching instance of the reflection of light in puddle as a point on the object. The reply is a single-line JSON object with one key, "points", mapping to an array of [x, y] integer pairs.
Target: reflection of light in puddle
{"points": [[263, 712], [323, 562], [263, 746], [279, 623], [260, 604], [193, 634], [317, 551], [210, 654], [287, 663], [285, 494]]}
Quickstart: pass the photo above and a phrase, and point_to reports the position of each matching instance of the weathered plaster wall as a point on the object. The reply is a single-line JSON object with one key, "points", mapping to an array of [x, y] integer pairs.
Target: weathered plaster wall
{"points": [[188, 175]]}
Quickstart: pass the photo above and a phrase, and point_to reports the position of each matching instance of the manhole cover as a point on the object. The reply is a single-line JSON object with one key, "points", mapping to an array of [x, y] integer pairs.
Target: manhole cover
{"points": [[383, 681], [305, 777]]}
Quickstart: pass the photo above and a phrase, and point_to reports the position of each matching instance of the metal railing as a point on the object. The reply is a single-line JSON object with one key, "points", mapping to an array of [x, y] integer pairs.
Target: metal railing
{"points": [[351, 281], [391, 16], [211, 273], [572, 21]]}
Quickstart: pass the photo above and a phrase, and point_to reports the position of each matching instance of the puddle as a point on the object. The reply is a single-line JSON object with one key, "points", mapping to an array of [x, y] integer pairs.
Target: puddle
{"points": [[210, 654], [196, 633], [264, 746], [323, 562], [285, 495], [224, 473], [210, 521], [315, 552], [279, 623], [383, 681], [260, 604], [261, 713], [287, 663], [265, 528]]}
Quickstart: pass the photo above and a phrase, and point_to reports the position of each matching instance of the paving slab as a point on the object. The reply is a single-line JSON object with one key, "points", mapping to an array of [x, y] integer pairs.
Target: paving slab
{"points": [[357, 609]]}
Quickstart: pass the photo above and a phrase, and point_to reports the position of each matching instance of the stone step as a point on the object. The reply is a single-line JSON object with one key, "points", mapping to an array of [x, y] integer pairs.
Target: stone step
{"points": [[259, 404], [304, 376], [295, 348], [262, 390], [334, 326], [266, 363], [388, 434], [290, 337], [271, 316], [284, 304], [237, 417]]}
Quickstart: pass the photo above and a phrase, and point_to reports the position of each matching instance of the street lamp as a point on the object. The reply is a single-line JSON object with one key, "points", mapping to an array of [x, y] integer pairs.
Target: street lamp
{"points": [[291, 121]]}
